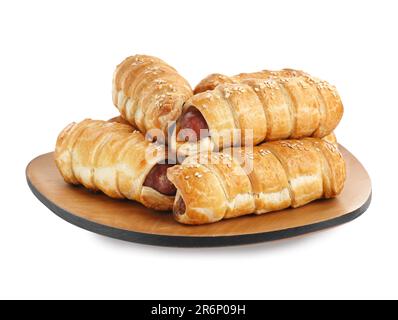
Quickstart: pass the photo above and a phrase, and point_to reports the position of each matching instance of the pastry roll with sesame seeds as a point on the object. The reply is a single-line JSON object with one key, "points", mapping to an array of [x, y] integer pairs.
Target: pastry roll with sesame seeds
{"points": [[149, 93], [276, 105], [116, 159], [240, 181]]}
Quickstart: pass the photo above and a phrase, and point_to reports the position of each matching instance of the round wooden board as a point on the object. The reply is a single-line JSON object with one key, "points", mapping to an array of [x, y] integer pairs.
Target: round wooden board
{"points": [[128, 220]]}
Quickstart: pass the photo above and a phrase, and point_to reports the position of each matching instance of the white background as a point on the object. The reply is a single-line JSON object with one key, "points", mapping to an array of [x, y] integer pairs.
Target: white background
{"points": [[56, 64]]}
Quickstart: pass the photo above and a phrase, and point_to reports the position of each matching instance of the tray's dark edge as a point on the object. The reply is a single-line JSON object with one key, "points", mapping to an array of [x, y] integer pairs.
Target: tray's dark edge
{"points": [[192, 241]]}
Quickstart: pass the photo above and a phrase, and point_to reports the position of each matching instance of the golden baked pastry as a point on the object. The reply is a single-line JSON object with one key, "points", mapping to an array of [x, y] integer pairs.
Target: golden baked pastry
{"points": [[273, 104], [239, 181], [117, 160], [149, 93]]}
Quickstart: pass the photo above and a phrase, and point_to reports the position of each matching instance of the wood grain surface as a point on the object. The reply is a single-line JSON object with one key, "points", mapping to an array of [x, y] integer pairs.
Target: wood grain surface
{"points": [[93, 211]]}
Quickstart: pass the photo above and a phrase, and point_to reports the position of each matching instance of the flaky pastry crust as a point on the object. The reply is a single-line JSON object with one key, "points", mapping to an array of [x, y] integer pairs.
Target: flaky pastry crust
{"points": [[110, 157], [283, 104], [272, 176], [149, 93]]}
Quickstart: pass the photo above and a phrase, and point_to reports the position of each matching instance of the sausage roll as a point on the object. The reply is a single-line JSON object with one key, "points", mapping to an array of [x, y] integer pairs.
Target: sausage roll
{"points": [[117, 160], [149, 93], [262, 106], [239, 181]]}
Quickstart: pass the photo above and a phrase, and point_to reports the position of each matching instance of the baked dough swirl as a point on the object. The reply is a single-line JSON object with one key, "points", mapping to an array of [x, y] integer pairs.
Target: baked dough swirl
{"points": [[116, 159], [286, 104], [272, 176], [148, 92]]}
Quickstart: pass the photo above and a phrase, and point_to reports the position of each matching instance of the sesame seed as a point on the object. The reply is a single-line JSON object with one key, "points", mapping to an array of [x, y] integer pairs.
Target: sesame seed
{"points": [[198, 175], [264, 152], [160, 81], [209, 96], [240, 89]]}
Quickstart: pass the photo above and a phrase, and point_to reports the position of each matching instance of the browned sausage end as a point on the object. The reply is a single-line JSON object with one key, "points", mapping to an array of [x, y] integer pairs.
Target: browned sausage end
{"points": [[157, 179]]}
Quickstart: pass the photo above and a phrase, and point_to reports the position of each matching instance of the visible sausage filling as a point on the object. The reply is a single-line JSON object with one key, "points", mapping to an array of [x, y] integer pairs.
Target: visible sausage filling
{"points": [[192, 119], [179, 207], [157, 179]]}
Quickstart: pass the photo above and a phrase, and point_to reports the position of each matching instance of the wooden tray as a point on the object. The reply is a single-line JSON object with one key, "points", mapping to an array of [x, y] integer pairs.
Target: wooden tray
{"points": [[128, 220]]}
